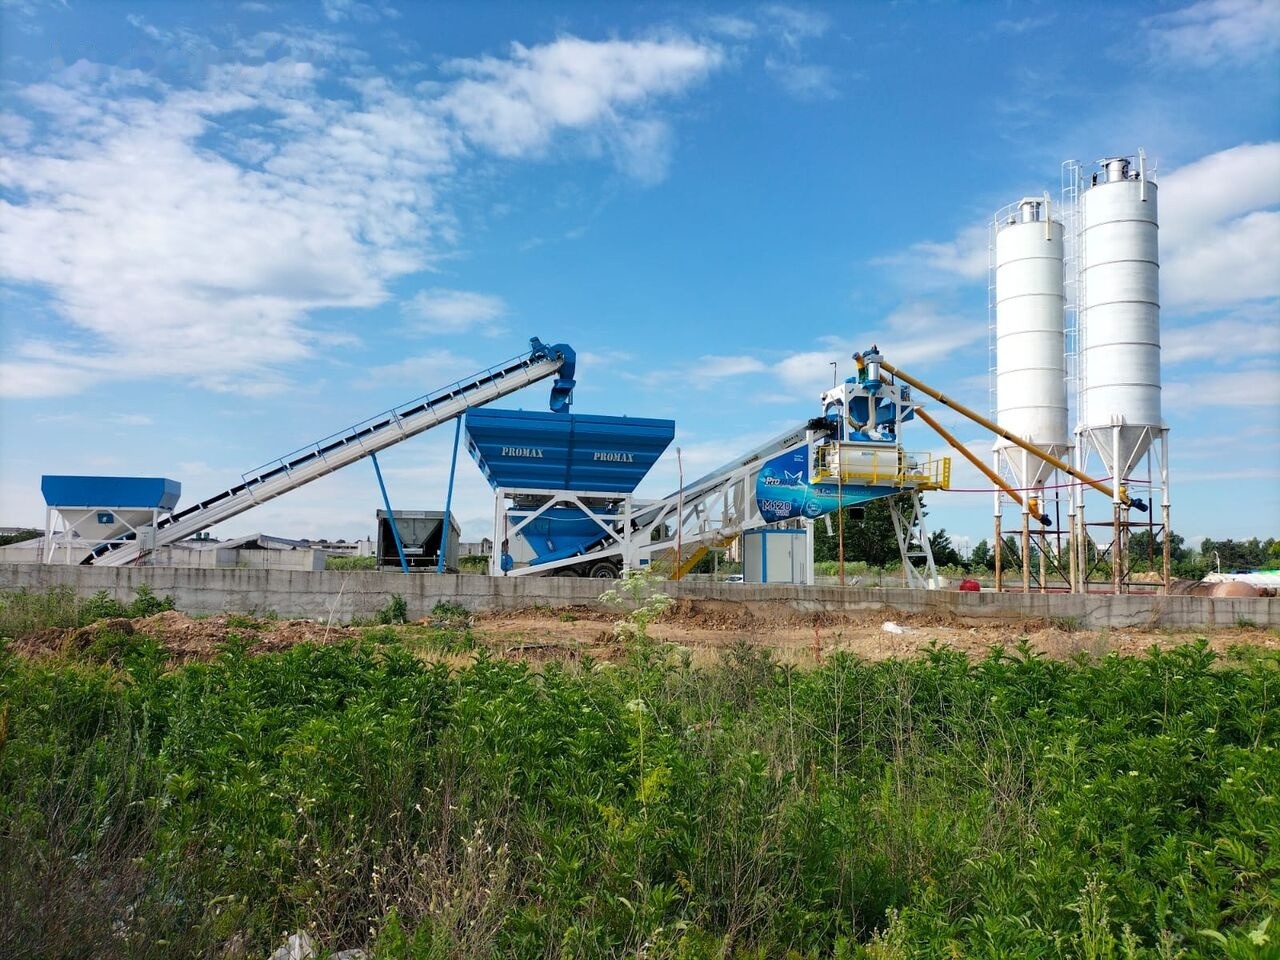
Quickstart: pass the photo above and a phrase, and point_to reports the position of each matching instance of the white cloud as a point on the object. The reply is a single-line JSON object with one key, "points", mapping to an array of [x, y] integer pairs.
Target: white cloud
{"points": [[603, 360], [32, 379], [804, 81], [914, 335], [1215, 31], [1218, 239], [189, 231], [429, 371], [191, 44], [29, 8], [15, 129], [444, 311], [337, 11], [1228, 267], [930, 262], [1244, 388], [736, 28], [1217, 235], [1223, 340], [718, 367], [515, 105], [791, 28], [1218, 187], [794, 25]]}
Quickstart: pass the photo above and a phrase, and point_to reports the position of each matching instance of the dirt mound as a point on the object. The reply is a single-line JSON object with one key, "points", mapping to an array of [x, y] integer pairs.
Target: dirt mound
{"points": [[187, 639], [710, 627], [72, 639], [707, 627]]}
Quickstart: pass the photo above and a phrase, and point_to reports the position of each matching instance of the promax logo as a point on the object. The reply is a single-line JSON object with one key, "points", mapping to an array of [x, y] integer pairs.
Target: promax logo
{"points": [[533, 452], [614, 457]]}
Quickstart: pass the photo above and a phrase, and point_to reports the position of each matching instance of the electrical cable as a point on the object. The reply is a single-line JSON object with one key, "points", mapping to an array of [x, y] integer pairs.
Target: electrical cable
{"points": [[1047, 486]]}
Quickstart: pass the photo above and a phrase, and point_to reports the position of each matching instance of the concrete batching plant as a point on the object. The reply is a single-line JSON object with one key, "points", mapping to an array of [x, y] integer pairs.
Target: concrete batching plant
{"points": [[1074, 300]]}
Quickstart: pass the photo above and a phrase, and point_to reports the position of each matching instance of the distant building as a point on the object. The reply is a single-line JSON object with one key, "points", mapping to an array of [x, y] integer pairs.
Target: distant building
{"points": [[480, 548]]}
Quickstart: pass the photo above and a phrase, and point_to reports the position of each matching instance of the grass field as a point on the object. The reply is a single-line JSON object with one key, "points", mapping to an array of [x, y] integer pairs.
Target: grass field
{"points": [[939, 806]]}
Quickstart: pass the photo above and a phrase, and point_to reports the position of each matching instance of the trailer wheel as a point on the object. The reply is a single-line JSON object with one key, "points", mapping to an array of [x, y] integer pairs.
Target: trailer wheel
{"points": [[604, 570], [568, 572]]}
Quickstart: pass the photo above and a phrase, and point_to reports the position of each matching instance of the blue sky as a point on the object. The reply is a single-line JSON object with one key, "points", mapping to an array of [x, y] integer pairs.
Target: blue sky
{"points": [[232, 228]]}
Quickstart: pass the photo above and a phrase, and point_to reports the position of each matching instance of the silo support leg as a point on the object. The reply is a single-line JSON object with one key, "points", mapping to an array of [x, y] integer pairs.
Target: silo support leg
{"points": [[999, 545], [1026, 552], [1117, 553], [1168, 582], [1072, 545]]}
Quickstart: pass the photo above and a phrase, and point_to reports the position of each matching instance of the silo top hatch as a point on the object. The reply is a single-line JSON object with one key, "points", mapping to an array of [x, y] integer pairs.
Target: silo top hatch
{"points": [[528, 449]]}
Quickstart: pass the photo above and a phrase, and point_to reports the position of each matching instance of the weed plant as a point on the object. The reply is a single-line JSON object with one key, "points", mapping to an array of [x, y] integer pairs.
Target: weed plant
{"points": [[1011, 806], [396, 611], [350, 563], [23, 612]]}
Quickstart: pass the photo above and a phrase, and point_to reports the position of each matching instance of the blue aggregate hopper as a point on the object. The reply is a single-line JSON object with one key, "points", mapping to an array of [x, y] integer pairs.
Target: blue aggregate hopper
{"points": [[527, 449], [138, 493]]}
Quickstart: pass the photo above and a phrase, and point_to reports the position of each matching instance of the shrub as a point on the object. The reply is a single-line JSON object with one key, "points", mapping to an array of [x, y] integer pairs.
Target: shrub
{"points": [[351, 563], [396, 611], [24, 611], [145, 602], [101, 606]]}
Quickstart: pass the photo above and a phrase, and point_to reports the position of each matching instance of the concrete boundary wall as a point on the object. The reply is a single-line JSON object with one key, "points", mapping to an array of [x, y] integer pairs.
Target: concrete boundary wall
{"points": [[341, 596]]}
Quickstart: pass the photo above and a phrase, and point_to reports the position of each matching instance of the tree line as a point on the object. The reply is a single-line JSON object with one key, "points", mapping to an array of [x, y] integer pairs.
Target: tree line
{"points": [[869, 537]]}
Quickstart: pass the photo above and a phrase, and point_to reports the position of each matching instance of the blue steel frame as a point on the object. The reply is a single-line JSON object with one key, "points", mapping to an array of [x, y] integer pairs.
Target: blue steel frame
{"points": [[391, 517], [448, 499]]}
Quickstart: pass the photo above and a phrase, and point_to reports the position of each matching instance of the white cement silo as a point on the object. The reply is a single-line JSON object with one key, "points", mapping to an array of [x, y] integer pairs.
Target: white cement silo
{"points": [[1031, 392], [1119, 316]]}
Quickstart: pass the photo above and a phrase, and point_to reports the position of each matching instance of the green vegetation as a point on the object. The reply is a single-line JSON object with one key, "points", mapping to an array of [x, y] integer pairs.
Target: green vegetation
{"points": [[396, 611], [940, 807], [869, 539], [20, 536], [1241, 554], [351, 563], [23, 612], [868, 534]]}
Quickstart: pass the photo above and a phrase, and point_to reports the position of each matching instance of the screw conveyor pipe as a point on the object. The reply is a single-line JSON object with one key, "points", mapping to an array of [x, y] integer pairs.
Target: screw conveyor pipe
{"points": [[965, 452], [1117, 494]]}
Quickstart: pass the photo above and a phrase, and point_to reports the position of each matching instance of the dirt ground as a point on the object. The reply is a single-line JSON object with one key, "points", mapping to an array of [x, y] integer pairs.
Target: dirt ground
{"points": [[705, 627], [708, 627]]}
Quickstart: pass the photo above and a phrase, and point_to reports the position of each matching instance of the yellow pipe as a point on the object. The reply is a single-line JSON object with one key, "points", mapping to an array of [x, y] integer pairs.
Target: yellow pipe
{"points": [[965, 452], [1011, 437], [682, 569]]}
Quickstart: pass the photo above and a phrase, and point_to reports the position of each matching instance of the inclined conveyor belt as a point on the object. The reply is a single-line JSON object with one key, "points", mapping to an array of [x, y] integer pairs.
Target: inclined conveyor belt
{"points": [[277, 477]]}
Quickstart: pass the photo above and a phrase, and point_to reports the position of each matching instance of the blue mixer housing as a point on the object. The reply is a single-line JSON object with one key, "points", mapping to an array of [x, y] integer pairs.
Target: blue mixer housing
{"points": [[586, 453]]}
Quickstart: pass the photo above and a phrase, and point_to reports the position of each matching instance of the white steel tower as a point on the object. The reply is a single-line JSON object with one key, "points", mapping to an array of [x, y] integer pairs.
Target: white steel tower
{"points": [[1030, 355], [1119, 320], [1118, 336]]}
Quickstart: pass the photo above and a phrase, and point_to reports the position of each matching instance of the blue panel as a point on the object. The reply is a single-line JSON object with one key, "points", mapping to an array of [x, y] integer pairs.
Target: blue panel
{"points": [[527, 449], [124, 492], [785, 492], [559, 532]]}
